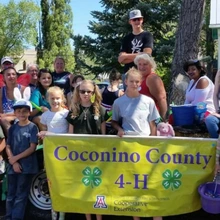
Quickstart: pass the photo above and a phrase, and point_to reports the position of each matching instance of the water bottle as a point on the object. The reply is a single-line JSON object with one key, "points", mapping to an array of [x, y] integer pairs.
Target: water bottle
{"points": [[200, 111]]}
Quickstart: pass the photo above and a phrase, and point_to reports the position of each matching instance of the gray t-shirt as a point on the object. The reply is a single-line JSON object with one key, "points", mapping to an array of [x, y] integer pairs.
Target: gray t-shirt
{"points": [[136, 113], [19, 140]]}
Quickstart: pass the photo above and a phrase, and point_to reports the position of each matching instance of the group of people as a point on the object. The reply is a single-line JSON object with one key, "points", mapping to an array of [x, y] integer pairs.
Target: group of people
{"points": [[63, 103]]}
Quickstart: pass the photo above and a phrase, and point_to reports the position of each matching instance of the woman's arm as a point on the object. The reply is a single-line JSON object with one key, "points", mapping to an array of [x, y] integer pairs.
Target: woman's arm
{"points": [[201, 92], [157, 90]]}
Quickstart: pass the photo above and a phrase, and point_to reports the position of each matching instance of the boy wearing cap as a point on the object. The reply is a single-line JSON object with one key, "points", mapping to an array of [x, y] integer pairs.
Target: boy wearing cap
{"points": [[6, 62], [20, 149], [136, 42]]}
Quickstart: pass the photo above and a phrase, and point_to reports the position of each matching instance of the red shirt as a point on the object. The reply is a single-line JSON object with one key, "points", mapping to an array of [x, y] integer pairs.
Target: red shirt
{"points": [[145, 90]]}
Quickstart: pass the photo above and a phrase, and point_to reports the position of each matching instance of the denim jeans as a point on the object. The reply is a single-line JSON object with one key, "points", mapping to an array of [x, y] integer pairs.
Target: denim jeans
{"points": [[212, 124], [17, 196]]}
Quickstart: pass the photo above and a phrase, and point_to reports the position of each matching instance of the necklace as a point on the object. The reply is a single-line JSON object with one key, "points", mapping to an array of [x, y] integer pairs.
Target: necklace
{"points": [[85, 113]]}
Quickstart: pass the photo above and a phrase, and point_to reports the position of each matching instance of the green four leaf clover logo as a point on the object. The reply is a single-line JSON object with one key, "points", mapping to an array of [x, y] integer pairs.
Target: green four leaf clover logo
{"points": [[92, 177], [171, 180]]}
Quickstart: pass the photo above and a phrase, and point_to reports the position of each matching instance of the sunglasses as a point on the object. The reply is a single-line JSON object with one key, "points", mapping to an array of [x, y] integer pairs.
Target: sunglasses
{"points": [[84, 91], [136, 19]]}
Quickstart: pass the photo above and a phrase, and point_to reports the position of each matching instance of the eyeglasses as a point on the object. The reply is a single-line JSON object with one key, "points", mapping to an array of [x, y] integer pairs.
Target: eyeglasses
{"points": [[32, 71], [84, 91], [136, 19]]}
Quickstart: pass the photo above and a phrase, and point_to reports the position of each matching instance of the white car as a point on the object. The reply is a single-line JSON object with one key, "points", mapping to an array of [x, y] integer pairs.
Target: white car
{"points": [[102, 85]]}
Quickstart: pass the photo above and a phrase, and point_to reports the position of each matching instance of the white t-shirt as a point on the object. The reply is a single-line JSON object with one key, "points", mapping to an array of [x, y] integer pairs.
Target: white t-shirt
{"points": [[194, 96], [55, 121], [136, 114]]}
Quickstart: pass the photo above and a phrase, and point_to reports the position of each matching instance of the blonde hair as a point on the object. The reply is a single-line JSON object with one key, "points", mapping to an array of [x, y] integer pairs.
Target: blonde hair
{"points": [[76, 101], [53, 89], [132, 71], [59, 58], [149, 59]]}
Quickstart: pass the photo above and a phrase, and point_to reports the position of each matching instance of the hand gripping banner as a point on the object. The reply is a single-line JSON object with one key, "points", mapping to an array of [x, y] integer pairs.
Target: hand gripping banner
{"points": [[130, 176]]}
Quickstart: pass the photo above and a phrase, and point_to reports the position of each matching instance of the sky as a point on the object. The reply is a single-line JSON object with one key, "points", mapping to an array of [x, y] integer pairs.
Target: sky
{"points": [[81, 13]]}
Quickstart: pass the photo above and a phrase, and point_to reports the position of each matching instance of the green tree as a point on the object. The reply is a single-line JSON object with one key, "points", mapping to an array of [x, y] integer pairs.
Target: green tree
{"points": [[18, 27], [56, 25], [186, 45], [207, 43], [111, 25]]}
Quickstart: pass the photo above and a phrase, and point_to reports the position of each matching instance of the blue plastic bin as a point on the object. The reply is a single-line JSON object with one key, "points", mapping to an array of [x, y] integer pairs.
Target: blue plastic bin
{"points": [[183, 114]]}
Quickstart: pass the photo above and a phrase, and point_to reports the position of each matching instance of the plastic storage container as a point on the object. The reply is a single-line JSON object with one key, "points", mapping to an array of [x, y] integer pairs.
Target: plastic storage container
{"points": [[183, 114]]}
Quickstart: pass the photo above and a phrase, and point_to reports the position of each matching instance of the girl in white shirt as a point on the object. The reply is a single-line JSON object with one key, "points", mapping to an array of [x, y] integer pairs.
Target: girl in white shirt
{"points": [[201, 88], [54, 121]]}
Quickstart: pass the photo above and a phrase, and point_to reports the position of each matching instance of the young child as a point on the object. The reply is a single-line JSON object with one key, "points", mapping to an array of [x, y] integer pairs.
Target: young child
{"points": [[76, 80], [110, 94], [87, 116], [38, 97], [21, 144], [54, 121], [138, 112]]}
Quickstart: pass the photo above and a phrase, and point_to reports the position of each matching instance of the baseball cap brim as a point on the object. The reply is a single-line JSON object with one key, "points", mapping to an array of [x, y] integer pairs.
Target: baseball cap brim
{"points": [[6, 59], [21, 106]]}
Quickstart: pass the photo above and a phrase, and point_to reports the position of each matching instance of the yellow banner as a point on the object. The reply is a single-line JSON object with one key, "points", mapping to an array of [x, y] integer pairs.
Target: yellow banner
{"points": [[131, 176]]}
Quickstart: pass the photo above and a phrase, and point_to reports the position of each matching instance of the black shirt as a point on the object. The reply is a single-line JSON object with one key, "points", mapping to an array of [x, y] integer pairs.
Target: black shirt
{"points": [[62, 80], [86, 122], [135, 44]]}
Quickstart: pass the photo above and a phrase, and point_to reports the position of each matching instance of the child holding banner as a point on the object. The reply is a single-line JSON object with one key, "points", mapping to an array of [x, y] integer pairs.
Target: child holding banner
{"points": [[54, 121], [21, 145], [138, 112], [86, 115]]}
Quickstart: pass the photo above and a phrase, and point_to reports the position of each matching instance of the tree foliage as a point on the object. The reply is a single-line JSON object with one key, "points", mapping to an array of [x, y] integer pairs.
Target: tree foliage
{"points": [[111, 25], [56, 26], [18, 27]]}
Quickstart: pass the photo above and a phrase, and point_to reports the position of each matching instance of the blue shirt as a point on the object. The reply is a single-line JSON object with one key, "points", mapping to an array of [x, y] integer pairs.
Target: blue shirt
{"points": [[19, 140], [38, 99]]}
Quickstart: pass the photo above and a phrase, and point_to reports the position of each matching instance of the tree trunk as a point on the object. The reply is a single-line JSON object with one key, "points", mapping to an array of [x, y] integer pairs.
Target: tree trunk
{"points": [[186, 44]]}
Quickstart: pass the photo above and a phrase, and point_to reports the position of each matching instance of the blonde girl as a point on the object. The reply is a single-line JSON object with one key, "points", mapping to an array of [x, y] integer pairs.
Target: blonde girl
{"points": [[54, 121], [86, 115]]}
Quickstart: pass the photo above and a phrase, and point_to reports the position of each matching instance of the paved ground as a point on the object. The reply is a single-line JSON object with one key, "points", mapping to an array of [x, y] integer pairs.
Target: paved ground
{"points": [[199, 215], [36, 214]]}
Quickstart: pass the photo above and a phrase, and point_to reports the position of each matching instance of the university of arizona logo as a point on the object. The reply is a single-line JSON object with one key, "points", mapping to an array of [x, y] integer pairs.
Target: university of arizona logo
{"points": [[100, 203]]}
